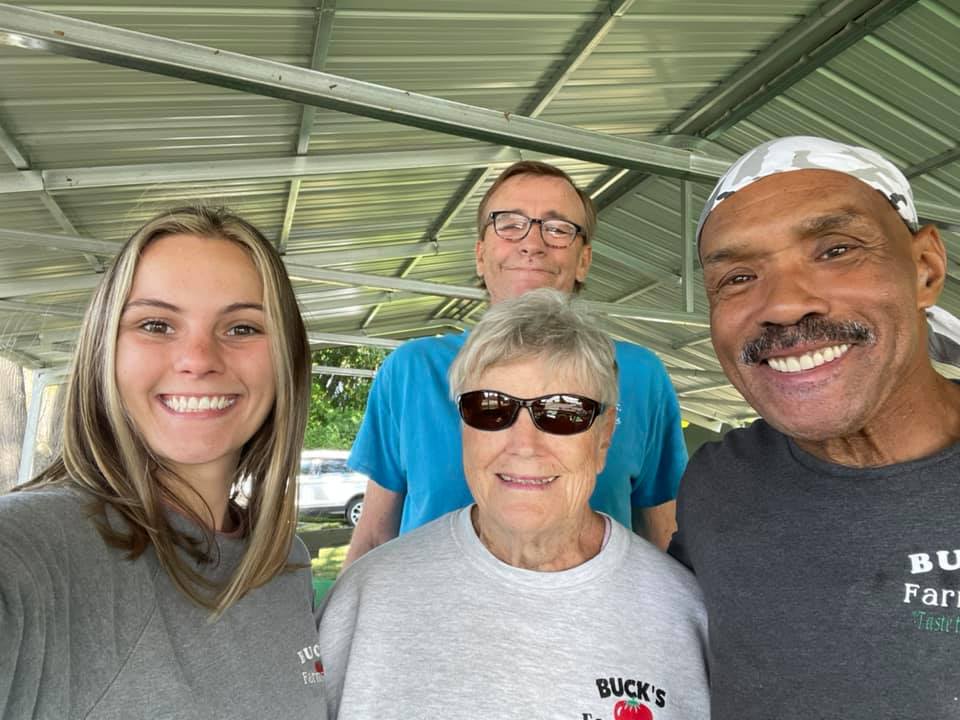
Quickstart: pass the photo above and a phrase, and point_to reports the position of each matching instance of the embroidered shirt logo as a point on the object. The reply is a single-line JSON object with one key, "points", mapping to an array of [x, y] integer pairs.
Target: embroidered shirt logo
{"points": [[931, 594], [631, 709], [632, 699], [311, 653]]}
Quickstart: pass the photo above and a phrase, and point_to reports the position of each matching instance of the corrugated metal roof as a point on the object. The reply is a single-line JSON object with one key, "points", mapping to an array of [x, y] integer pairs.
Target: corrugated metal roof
{"points": [[895, 87]]}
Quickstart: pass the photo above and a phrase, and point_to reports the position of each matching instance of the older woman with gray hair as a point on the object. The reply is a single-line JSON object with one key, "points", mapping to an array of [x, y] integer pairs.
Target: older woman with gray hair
{"points": [[527, 604]]}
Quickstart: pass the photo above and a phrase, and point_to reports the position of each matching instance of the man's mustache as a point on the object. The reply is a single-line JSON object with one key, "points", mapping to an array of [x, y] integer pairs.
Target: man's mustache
{"points": [[807, 330]]}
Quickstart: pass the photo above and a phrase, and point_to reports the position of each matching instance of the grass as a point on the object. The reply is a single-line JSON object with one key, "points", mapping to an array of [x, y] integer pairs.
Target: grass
{"points": [[316, 522], [329, 560]]}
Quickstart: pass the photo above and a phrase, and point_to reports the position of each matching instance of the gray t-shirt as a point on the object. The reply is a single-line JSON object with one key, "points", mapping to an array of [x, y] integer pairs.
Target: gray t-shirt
{"points": [[86, 633], [431, 625], [833, 592]]}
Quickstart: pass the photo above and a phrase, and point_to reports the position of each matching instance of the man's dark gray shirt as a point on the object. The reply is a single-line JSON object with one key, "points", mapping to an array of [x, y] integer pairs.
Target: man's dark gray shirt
{"points": [[831, 591]]}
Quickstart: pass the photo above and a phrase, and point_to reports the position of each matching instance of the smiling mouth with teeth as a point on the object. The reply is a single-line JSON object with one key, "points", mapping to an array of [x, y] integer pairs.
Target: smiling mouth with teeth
{"points": [[809, 360], [527, 480], [195, 403]]}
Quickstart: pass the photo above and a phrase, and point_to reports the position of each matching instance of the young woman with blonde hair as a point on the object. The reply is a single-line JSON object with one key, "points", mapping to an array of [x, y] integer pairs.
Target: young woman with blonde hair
{"points": [[134, 584]]}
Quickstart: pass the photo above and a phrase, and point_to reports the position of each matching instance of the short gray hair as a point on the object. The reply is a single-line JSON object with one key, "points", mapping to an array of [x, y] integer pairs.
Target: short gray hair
{"points": [[547, 324]]}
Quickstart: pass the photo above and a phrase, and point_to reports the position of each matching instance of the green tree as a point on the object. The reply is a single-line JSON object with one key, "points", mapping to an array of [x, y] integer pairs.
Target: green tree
{"points": [[337, 402]]}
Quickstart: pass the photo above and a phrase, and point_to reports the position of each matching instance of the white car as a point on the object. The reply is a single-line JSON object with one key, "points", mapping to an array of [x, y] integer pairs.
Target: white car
{"points": [[326, 486]]}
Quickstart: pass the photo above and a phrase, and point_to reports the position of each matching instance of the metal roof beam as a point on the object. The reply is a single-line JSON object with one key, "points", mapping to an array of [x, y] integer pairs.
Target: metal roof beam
{"points": [[10, 148], [339, 256], [947, 217], [49, 241], [721, 384], [385, 252], [215, 171], [724, 403], [16, 288], [691, 341], [293, 194], [42, 286], [934, 163], [688, 246], [413, 328], [42, 340], [811, 43], [642, 290], [343, 372], [472, 293], [322, 33], [382, 282], [36, 30], [695, 418], [615, 310], [323, 29], [40, 310], [374, 311], [321, 338], [591, 37], [623, 330], [64, 222], [22, 359], [23, 181], [339, 309], [711, 376]]}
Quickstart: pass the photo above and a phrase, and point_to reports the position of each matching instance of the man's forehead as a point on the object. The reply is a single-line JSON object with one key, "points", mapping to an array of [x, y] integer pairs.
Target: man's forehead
{"points": [[552, 193]]}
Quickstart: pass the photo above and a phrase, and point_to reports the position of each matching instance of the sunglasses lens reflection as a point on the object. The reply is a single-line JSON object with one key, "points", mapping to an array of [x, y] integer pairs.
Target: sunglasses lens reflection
{"points": [[558, 414], [488, 410]]}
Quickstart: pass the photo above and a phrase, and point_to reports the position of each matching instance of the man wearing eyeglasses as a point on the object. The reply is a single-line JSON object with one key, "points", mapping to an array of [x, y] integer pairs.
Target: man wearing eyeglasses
{"points": [[534, 228]]}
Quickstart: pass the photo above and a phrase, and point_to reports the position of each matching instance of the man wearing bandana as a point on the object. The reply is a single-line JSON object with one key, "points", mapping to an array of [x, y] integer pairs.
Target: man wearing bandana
{"points": [[825, 535]]}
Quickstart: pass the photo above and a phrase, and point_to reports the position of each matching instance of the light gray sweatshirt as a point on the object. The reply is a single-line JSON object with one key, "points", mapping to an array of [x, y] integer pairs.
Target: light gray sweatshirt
{"points": [[431, 625]]}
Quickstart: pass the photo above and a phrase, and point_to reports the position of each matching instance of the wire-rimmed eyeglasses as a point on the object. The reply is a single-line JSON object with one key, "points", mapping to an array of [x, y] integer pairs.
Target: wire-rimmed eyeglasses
{"points": [[514, 227]]}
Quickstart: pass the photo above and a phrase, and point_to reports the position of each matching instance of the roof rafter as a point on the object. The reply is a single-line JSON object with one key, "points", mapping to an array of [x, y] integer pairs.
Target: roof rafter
{"points": [[323, 29], [10, 147], [36, 30], [335, 256], [215, 171], [15, 288], [808, 45]]}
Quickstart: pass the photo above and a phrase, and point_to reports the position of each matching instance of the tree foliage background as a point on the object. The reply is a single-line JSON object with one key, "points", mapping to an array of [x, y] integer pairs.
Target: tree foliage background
{"points": [[337, 402]]}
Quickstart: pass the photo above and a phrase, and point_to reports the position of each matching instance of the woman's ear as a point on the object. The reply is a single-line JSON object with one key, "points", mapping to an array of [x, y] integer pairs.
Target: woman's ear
{"points": [[609, 419], [606, 424]]}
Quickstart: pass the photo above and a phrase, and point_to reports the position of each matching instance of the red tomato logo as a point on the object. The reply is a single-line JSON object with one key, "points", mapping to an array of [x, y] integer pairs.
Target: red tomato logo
{"points": [[631, 709]]}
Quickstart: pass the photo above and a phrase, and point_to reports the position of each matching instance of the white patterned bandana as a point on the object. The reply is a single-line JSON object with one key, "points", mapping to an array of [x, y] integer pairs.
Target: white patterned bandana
{"points": [[814, 153]]}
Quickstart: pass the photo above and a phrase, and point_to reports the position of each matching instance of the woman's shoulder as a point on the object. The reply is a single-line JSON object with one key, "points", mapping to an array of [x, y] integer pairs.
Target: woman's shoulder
{"points": [[71, 596], [50, 547], [427, 550], [56, 515], [51, 533], [659, 568]]}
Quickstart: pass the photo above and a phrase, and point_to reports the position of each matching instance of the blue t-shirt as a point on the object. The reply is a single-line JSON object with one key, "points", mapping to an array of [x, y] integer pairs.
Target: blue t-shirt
{"points": [[409, 441]]}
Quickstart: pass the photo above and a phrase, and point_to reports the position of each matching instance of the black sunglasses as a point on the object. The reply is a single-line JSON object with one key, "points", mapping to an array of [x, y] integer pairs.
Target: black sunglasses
{"points": [[557, 414]]}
